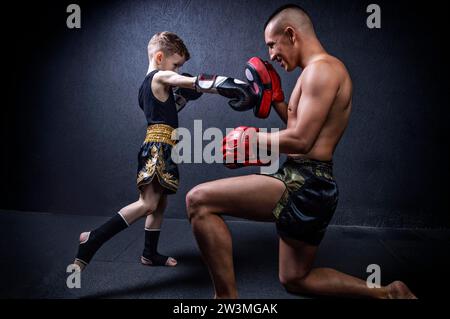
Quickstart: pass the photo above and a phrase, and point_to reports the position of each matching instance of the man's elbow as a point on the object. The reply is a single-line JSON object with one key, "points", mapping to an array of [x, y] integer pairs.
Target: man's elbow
{"points": [[298, 145], [303, 147]]}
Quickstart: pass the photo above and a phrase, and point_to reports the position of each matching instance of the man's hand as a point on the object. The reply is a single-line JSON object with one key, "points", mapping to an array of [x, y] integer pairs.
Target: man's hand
{"points": [[240, 148], [266, 84]]}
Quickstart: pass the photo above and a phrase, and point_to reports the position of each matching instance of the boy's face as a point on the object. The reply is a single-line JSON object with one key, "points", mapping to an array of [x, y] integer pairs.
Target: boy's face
{"points": [[169, 63]]}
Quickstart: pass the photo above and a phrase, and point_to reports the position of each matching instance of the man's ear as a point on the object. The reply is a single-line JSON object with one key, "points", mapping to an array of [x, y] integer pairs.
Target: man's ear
{"points": [[290, 33]]}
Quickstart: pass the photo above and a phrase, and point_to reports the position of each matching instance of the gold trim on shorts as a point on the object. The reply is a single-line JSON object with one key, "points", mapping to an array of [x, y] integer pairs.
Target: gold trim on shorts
{"points": [[161, 133], [156, 164]]}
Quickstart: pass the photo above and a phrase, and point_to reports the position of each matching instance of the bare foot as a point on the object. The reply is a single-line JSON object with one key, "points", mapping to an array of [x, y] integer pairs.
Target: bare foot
{"points": [[171, 262], [398, 290], [84, 237]]}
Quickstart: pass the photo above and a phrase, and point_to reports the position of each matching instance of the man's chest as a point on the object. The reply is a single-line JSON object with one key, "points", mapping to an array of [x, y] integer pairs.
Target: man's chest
{"points": [[294, 102]]}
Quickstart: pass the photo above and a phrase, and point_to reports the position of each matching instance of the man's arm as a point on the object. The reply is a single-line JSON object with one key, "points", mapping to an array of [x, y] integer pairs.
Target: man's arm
{"points": [[281, 109], [319, 90]]}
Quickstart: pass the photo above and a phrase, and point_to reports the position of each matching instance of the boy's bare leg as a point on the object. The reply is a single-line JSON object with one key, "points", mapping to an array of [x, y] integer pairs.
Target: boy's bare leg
{"points": [[298, 276], [146, 204], [251, 197], [153, 222]]}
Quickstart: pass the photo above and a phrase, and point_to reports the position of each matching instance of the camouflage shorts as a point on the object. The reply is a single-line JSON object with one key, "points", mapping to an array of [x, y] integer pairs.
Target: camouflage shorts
{"points": [[309, 201]]}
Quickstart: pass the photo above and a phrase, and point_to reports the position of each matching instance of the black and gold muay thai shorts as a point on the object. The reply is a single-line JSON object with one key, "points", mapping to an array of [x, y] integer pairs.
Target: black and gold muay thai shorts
{"points": [[154, 159], [309, 201]]}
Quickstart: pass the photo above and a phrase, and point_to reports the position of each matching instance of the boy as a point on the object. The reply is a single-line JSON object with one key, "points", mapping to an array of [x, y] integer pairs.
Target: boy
{"points": [[157, 174]]}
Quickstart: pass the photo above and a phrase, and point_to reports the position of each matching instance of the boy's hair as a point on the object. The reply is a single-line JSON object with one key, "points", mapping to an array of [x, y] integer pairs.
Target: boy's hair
{"points": [[169, 43]]}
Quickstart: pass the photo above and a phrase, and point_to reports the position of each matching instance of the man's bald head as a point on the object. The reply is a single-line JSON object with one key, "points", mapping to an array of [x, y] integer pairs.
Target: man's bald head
{"points": [[290, 15]]}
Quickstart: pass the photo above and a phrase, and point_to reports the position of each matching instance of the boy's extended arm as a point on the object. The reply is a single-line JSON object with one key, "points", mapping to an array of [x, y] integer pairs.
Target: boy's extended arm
{"points": [[174, 79], [240, 95]]}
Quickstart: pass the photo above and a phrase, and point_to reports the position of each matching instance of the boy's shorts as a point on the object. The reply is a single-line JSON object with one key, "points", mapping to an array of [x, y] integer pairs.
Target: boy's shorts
{"points": [[154, 159]]}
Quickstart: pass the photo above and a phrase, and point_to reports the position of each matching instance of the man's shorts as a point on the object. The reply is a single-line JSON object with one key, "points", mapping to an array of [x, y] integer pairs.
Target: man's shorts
{"points": [[155, 160], [309, 201]]}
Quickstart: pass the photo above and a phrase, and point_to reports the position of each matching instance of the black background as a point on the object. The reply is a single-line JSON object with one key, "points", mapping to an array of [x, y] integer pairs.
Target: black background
{"points": [[72, 127]]}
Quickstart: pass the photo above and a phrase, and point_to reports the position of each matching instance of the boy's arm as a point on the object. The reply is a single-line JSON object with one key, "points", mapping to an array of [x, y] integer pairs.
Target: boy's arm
{"points": [[174, 79], [240, 95]]}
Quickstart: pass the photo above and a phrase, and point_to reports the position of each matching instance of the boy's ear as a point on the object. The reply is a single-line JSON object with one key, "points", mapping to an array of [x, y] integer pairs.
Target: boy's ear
{"points": [[159, 57]]}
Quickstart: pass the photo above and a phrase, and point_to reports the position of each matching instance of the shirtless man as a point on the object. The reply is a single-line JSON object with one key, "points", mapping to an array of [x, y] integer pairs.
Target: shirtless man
{"points": [[302, 196]]}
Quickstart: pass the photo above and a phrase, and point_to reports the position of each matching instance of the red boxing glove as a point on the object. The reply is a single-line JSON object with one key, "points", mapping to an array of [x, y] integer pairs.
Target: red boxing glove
{"points": [[277, 91], [240, 147]]}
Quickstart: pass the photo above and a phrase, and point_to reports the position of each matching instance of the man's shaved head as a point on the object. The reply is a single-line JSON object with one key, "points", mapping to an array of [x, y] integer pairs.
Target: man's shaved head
{"points": [[290, 15]]}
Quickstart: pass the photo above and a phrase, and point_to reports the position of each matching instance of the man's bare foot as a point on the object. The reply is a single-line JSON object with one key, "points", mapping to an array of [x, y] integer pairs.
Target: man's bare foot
{"points": [[83, 238], [170, 262], [398, 290]]}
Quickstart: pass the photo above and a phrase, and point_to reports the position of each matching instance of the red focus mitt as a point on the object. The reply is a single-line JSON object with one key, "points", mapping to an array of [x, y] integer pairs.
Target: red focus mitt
{"points": [[266, 85]]}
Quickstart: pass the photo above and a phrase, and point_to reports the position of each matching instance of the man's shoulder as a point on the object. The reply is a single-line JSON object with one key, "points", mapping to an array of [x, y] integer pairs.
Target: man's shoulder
{"points": [[326, 63], [328, 69], [318, 72]]}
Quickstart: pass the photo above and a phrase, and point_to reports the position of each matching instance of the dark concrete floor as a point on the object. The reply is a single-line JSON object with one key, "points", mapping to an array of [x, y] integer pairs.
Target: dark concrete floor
{"points": [[35, 249]]}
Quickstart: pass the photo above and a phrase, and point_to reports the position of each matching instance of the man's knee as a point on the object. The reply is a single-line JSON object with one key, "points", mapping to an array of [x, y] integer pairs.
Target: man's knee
{"points": [[294, 281], [196, 200]]}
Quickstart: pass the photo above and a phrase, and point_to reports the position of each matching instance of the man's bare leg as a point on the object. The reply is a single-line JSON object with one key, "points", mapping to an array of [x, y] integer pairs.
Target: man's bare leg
{"points": [[254, 198], [298, 276], [153, 222], [146, 204]]}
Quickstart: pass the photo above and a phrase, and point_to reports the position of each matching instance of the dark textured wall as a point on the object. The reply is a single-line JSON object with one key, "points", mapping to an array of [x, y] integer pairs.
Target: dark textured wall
{"points": [[73, 127]]}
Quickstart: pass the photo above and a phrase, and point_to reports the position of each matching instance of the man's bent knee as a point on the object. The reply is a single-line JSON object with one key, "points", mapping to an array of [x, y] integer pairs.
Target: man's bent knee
{"points": [[196, 199], [293, 282]]}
